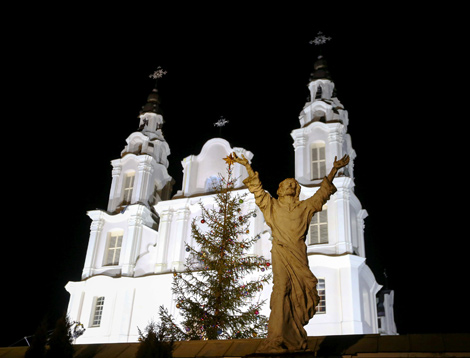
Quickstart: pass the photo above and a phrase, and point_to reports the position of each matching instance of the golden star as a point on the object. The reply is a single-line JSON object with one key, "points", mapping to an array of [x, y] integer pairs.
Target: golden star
{"points": [[229, 159]]}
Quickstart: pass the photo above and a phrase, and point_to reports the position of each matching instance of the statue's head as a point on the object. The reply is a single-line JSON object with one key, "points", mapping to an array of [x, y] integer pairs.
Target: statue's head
{"points": [[289, 187]]}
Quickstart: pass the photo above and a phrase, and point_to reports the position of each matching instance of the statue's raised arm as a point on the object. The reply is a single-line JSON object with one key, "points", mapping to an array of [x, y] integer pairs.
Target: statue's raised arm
{"points": [[337, 165], [243, 161]]}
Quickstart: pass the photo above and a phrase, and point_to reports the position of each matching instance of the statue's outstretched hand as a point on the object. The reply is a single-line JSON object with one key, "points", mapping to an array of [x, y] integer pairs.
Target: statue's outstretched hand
{"points": [[338, 164], [243, 161]]}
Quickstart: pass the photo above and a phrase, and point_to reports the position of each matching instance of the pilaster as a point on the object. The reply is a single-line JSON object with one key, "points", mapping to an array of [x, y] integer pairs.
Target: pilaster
{"points": [[182, 218], [343, 215], [92, 250], [131, 244], [142, 184], [116, 173], [300, 141], [166, 218]]}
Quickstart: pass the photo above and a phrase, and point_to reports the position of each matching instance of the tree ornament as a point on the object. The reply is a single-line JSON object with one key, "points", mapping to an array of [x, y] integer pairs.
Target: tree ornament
{"points": [[178, 305], [240, 201], [203, 221], [188, 249]]}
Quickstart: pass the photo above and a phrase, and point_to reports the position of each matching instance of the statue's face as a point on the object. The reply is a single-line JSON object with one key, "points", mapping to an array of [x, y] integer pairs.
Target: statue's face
{"points": [[287, 187]]}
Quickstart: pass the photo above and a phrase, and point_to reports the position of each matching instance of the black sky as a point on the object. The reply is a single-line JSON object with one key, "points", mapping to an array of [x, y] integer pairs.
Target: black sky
{"points": [[76, 81]]}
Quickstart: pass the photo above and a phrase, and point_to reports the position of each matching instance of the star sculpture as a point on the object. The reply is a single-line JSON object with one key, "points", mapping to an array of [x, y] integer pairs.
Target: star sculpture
{"points": [[229, 159]]}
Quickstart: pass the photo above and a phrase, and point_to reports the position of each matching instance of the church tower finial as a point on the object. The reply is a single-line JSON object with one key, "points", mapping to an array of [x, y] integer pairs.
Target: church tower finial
{"points": [[153, 100], [320, 68]]}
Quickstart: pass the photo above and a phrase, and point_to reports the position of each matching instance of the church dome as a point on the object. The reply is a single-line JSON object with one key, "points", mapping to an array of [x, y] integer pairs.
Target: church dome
{"points": [[320, 70], [153, 103]]}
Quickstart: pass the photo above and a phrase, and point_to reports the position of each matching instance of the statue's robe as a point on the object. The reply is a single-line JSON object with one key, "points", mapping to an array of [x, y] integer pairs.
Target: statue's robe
{"points": [[294, 296]]}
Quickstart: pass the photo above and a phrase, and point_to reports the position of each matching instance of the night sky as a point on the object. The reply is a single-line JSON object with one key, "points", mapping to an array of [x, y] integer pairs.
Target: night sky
{"points": [[76, 81]]}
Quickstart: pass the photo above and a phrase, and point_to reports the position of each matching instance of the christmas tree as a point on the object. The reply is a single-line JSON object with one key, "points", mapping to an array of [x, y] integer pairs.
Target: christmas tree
{"points": [[155, 342], [216, 293], [60, 343]]}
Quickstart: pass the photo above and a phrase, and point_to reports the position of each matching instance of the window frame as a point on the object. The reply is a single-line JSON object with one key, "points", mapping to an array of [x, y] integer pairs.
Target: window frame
{"points": [[317, 160], [128, 187], [97, 313], [319, 221], [321, 289], [116, 248]]}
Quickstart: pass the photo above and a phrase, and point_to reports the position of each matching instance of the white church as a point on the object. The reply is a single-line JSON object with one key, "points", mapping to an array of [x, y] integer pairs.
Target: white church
{"points": [[137, 242]]}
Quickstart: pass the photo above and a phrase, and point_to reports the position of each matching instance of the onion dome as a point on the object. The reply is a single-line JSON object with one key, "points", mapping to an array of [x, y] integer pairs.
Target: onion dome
{"points": [[320, 70], [153, 103]]}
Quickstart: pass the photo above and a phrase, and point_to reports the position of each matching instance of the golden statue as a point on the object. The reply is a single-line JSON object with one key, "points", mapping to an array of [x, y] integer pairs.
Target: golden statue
{"points": [[294, 296]]}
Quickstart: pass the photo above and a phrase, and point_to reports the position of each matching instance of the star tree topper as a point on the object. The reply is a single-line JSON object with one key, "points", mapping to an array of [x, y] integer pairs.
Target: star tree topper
{"points": [[229, 159]]}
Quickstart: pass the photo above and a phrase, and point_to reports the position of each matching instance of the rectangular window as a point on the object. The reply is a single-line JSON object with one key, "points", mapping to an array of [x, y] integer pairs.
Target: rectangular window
{"points": [[318, 162], [321, 307], [128, 187], [97, 312], [318, 232], [113, 250]]}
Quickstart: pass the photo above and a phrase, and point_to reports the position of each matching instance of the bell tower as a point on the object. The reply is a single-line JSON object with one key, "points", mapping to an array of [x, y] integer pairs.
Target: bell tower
{"points": [[323, 130], [140, 175], [140, 180], [322, 136], [335, 242]]}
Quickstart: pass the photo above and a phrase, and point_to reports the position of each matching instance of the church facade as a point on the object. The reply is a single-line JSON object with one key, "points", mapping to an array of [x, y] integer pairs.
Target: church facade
{"points": [[136, 243]]}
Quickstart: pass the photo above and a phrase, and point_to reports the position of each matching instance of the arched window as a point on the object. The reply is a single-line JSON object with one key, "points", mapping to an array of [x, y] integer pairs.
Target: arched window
{"points": [[318, 161], [319, 93]]}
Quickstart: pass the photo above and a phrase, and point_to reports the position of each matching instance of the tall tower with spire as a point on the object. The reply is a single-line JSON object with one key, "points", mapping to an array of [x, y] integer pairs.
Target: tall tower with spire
{"points": [[335, 242], [124, 235]]}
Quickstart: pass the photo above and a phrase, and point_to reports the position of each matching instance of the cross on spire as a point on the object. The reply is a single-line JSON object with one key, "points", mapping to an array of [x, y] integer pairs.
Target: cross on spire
{"points": [[221, 123], [320, 39], [158, 73]]}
